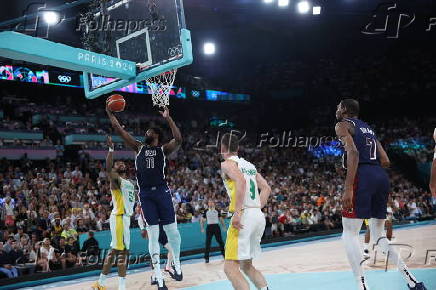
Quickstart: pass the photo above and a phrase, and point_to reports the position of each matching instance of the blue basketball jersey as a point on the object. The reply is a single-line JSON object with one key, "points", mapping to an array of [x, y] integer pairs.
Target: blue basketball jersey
{"points": [[366, 142], [150, 167]]}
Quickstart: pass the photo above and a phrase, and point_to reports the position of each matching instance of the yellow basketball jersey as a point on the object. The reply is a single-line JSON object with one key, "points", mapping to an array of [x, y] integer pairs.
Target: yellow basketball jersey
{"points": [[123, 199], [252, 198]]}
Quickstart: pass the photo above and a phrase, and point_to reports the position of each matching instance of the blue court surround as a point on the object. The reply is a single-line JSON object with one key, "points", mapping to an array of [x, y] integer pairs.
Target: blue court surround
{"points": [[377, 280], [315, 280]]}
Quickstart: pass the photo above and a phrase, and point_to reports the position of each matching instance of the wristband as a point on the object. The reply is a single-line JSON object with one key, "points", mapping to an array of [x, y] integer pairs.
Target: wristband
{"points": [[111, 149], [434, 156]]}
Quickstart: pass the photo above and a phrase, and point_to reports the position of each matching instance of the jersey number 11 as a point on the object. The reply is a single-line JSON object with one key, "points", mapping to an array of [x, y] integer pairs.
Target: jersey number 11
{"points": [[149, 162]]}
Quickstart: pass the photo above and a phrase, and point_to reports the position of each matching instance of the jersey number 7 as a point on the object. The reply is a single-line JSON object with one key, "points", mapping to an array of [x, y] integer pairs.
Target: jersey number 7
{"points": [[373, 149]]}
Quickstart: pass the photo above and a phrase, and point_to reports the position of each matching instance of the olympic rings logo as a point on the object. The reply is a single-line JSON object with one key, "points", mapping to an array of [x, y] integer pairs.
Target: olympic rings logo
{"points": [[175, 51], [64, 79]]}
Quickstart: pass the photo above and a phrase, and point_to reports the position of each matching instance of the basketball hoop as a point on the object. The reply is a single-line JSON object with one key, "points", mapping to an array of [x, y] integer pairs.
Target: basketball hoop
{"points": [[160, 87]]}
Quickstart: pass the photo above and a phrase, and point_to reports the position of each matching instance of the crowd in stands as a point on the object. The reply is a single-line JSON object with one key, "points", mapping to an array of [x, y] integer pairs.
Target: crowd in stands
{"points": [[46, 205]]}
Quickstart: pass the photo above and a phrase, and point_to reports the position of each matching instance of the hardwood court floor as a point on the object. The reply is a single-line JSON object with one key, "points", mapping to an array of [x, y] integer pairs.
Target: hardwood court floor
{"points": [[317, 256]]}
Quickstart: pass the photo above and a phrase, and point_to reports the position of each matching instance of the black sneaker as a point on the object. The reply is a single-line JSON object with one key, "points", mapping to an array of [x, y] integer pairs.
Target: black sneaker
{"points": [[206, 260], [153, 281], [418, 286], [175, 276], [366, 255], [163, 287]]}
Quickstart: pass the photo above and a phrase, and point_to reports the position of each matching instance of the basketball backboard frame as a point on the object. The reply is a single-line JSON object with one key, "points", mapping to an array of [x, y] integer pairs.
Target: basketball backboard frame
{"points": [[18, 46]]}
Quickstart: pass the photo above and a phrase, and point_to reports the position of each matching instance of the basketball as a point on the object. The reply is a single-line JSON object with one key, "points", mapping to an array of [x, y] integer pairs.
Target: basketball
{"points": [[116, 103]]}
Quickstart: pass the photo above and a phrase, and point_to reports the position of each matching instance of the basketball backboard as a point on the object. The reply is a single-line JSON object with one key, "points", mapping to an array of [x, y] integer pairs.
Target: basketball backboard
{"points": [[123, 41]]}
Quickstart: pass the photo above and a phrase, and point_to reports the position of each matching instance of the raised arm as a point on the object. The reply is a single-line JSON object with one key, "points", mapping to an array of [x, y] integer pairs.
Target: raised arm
{"points": [[343, 132], [230, 170], [111, 174], [128, 139], [384, 159], [176, 141], [265, 189]]}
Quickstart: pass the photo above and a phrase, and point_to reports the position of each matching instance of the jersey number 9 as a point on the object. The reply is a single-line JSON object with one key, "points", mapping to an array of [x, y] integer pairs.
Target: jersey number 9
{"points": [[252, 189]]}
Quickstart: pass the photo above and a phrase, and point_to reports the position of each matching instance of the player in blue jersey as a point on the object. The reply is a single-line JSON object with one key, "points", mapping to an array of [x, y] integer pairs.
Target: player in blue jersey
{"points": [[366, 191], [154, 194]]}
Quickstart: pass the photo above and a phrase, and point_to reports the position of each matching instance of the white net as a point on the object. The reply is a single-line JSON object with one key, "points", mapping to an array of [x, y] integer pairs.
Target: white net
{"points": [[160, 87]]}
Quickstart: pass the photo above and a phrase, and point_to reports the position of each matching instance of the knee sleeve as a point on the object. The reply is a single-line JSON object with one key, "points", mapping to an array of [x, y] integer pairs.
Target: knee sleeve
{"points": [[174, 241], [171, 230], [153, 244]]}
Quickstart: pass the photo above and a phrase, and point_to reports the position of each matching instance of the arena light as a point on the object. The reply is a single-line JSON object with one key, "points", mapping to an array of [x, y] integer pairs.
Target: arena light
{"points": [[209, 48], [283, 3], [303, 7], [268, 1], [51, 17], [316, 10]]}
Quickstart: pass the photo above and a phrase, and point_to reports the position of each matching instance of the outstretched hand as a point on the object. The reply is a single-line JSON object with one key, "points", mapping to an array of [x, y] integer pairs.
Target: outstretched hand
{"points": [[165, 113], [108, 111]]}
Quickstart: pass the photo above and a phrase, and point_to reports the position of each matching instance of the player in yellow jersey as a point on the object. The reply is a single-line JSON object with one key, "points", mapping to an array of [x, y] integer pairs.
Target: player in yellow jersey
{"points": [[242, 182], [123, 200]]}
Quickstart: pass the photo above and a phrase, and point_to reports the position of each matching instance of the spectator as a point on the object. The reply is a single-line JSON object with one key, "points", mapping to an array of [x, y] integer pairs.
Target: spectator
{"points": [[103, 222], [81, 227], [90, 246], [20, 233], [7, 264], [57, 228], [49, 252], [74, 245], [76, 175], [25, 246], [16, 254], [65, 255], [9, 211], [88, 214], [69, 231], [41, 256], [7, 247]]}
